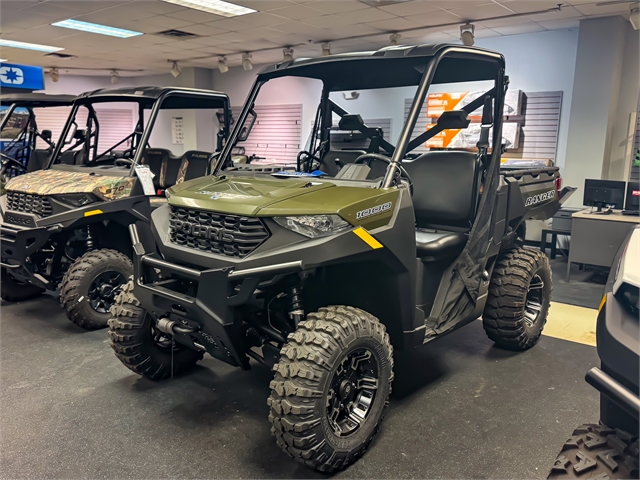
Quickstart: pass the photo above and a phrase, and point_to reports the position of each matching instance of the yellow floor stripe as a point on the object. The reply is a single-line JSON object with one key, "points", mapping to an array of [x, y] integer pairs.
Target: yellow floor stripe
{"points": [[575, 324]]}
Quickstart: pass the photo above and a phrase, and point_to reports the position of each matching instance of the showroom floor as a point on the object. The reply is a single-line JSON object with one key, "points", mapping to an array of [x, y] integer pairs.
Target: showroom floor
{"points": [[460, 408]]}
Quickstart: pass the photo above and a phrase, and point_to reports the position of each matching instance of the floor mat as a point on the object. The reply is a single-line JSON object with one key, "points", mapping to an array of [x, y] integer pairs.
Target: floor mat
{"points": [[585, 288]]}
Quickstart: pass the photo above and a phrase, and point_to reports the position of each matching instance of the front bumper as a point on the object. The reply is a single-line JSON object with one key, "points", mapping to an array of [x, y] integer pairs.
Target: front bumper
{"points": [[17, 244], [206, 318]]}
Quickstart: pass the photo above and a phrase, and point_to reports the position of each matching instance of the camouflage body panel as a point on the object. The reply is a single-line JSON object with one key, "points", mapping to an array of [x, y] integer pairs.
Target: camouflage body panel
{"points": [[57, 182], [274, 197]]}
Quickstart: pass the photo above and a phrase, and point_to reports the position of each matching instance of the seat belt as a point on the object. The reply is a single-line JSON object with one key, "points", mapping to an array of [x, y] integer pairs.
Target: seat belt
{"points": [[485, 127]]}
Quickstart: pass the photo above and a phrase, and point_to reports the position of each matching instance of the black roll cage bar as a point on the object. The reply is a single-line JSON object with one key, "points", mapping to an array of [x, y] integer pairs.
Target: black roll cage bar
{"points": [[405, 144], [30, 130], [141, 134]]}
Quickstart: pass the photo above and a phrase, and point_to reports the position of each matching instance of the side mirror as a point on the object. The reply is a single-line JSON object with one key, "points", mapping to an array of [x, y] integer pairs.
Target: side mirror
{"points": [[454, 119], [246, 129], [46, 135]]}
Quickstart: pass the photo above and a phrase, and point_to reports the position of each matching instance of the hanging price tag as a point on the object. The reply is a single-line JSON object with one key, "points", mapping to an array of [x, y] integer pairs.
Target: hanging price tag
{"points": [[145, 175]]}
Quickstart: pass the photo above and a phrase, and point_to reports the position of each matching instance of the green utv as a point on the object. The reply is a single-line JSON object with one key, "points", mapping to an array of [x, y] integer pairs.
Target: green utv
{"points": [[317, 273], [65, 227], [24, 147]]}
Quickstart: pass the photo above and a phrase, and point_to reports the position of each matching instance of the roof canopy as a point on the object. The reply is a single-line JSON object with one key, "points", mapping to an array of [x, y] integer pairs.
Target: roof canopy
{"points": [[177, 97], [392, 67], [35, 100]]}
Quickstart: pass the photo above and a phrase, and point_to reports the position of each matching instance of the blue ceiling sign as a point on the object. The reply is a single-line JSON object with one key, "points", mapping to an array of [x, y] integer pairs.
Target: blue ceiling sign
{"points": [[22, 77]]}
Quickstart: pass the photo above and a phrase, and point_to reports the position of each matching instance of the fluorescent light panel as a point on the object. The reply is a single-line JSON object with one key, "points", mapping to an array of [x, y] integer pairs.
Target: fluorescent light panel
{"points": [[3, 60], [217, 7], [96, 28], [28, 46]]}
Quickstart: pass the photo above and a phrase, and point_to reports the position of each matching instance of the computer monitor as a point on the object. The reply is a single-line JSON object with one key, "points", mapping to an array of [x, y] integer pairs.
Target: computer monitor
{"points": [[604, 193], [632, 201]]}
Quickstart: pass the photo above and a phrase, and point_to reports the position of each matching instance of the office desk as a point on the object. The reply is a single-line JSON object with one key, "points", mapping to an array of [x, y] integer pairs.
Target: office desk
{"points": [[595, 238]]}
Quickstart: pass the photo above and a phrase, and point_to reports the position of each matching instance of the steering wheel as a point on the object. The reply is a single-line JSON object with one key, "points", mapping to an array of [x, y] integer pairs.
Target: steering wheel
{"points": [[307, 157], [369, 157], [10, 162], [123, 162]]}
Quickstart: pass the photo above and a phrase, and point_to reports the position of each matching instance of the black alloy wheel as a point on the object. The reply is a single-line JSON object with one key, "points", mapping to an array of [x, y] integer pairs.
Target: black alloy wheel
{"points": [[103, 290], [352, 391]]}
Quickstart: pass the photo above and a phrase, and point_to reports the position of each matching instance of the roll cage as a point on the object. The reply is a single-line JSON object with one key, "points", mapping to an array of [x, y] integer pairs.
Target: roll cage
{"points": [[25, 141], [154, 99], [390, 67]]}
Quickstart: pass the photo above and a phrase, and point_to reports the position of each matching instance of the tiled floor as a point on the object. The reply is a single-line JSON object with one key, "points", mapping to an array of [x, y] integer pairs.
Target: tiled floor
{"points": [[575, 324]]}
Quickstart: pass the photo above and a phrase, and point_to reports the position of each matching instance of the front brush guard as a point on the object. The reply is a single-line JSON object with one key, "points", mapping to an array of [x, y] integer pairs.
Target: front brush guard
{"points": [[207, 319]]}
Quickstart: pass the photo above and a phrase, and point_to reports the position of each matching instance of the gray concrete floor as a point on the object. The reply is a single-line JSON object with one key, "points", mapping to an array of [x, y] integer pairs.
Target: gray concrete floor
{"points": [[460, 408]]}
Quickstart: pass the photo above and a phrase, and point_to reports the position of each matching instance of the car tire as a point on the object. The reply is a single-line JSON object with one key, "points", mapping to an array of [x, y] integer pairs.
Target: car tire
{"points": [[12, 290], [597, 451], [90, 285], [333, 357], [131, 335], [519, 298]]}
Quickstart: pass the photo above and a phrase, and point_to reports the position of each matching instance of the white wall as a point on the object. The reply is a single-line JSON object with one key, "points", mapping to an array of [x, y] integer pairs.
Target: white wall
{"points": [[542, 61]]}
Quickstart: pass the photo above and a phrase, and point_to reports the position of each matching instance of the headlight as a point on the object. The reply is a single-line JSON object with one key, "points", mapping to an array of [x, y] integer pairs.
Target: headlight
{"points": [[76, 199], [314, 226]]}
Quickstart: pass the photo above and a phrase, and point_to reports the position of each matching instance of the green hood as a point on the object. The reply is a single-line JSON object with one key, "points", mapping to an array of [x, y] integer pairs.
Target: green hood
{"points": [[239, 195], [272, 197]]}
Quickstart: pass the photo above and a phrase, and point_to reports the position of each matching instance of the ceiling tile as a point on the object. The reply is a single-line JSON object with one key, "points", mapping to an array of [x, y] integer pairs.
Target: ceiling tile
{"points": [[297, 12], [338, 6], [455, 4], [194, 16], [229, 24], [530, 27], [566, 12], [394, 24], [435, 18], [406, 9], [167, 22], [351, 30], [308, 31], [264, 5], [51, 10], [330, 21], [156, 7], [203, 30], [261, 19], [482, 11], [368, 15]]}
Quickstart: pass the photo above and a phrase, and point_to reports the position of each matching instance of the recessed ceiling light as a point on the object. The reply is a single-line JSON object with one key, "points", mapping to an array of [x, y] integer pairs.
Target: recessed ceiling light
{"points": [[28, 46], [217, 7], [96, 28]]}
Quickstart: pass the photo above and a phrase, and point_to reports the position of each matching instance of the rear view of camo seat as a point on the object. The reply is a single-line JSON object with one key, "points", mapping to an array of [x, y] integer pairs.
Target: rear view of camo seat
{"points": [[170, 170]]}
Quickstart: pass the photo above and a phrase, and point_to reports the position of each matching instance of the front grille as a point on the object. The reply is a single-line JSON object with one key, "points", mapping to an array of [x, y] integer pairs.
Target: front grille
{"points": [[29, 203], [217, 233]]}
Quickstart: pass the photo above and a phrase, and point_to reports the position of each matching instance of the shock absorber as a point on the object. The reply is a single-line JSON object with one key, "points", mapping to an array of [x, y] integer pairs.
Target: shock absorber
{"points": [[89, 242], [296, 312]]}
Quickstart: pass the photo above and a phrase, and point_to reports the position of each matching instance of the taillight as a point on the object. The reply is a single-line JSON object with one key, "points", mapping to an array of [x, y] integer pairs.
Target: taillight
{"points": [[559, 184]]}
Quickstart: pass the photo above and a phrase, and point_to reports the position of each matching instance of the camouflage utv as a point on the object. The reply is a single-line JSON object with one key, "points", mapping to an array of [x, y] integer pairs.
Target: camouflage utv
{"points": [[65, 227]]}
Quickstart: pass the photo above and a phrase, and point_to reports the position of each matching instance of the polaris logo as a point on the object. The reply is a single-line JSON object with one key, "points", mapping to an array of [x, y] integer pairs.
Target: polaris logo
{"points": [[541, 197], [373, 210], [202, 231]]}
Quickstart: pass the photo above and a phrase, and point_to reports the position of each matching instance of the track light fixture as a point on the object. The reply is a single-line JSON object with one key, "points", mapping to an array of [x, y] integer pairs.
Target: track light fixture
{"points": [[467, 34], [326, 49], [393, 39], [222, 65], [115, 76], [246, 62], [175, 70], [55, 76], [287, 54]]}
